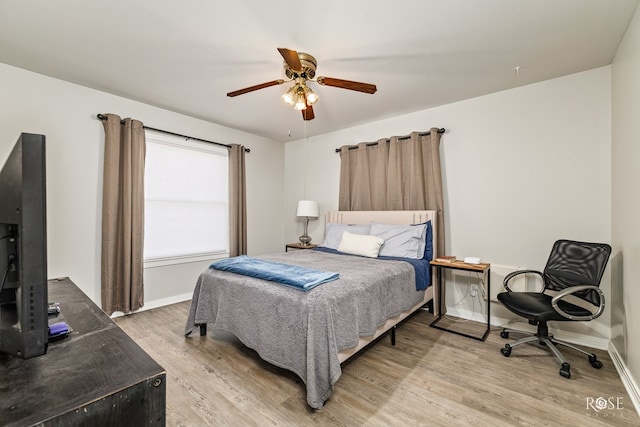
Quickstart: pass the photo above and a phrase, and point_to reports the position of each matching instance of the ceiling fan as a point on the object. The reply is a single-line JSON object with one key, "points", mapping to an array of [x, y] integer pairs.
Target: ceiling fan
{"points": [[300, 68]]}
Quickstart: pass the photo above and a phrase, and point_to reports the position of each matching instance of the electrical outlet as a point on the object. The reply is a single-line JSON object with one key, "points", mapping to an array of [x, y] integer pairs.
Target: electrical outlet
{"points": [[474, 290]]}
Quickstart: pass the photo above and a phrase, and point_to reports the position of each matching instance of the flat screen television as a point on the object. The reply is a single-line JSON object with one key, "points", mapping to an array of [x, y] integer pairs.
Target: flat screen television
{"points": [[23, 249]]}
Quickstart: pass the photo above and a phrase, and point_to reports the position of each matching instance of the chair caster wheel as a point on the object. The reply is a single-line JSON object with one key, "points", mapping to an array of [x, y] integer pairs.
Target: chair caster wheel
{"points": [[504, 334], [506, 350], [565, 371], [595, 362]]}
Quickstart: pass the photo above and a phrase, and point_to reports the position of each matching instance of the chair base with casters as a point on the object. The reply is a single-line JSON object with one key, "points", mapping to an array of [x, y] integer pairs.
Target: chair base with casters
{"points": [[571, 292], [545, 339]]}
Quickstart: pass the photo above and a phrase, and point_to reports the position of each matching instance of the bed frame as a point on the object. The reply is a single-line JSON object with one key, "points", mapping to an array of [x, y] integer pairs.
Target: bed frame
{"points": [[388, 217]]}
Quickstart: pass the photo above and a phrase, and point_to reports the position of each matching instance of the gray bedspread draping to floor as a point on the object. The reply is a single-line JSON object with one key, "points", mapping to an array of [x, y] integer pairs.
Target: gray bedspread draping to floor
{"points": [[304, 331]]}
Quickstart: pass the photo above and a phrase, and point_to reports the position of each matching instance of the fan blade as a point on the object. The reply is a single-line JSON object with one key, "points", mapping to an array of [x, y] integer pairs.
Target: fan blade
{"points": [[347, 84], [307, 114], [256, 87], [291, 58]]}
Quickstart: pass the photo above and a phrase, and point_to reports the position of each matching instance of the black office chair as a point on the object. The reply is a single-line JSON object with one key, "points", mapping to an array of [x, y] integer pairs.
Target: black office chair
{"points": [[571, 293]]}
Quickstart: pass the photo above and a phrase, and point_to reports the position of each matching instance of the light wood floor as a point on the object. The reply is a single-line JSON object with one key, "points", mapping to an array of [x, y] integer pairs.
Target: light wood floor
{"points": [[431, 378]]}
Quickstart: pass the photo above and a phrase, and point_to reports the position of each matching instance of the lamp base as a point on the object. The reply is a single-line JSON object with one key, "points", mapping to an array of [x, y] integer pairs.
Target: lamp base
{"points": [[304, 240]]}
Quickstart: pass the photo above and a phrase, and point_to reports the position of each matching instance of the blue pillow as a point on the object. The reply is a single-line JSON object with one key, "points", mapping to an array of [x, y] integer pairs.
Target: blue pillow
{"points": [[428, 250]]}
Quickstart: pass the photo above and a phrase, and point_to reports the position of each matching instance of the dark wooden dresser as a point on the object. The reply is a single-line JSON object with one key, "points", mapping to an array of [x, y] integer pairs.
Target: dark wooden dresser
{"points": [[96, 376]]}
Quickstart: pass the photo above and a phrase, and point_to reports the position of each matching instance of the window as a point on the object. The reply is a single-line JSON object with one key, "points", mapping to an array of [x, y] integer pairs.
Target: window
{"points": [[186, 201]]}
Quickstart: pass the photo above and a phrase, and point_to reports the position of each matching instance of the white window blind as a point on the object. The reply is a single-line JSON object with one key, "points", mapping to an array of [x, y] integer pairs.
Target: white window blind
{"points": [[186, 200]]}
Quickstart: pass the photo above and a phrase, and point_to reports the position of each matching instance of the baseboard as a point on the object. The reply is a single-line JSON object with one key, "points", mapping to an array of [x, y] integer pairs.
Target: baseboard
{"points": [[466, 315], [629, 384], [148, 305]]}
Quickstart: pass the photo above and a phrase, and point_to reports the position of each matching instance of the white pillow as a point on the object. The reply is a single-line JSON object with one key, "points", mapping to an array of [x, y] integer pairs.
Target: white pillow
{"points": [[358, 244], [333, 233], [406, 241]]}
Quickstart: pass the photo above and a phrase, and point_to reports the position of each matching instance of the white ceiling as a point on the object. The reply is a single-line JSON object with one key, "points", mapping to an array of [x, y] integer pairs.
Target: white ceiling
{"points": [[186, 55]]}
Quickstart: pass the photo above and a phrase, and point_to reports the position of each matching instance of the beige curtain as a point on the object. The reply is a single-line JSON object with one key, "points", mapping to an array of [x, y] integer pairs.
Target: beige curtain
{"points": [[237, 201], [123, 215], [401, 173]]}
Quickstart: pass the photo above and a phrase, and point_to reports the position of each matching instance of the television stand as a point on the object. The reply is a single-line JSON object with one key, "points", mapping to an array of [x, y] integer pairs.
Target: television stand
{"points": [[95, 376]]}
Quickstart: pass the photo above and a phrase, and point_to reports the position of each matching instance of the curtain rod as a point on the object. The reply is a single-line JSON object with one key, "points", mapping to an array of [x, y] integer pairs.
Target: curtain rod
{"points": [[247, 150], [371, 144]]}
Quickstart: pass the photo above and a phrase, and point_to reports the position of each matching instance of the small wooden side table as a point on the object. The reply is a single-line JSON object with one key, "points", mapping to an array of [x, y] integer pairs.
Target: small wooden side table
{"points": [[459, 265], [298, 246]]}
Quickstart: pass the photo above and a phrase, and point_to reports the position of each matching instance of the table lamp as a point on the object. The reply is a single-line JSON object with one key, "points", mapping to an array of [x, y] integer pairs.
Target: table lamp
{"points": [[307, 209]]}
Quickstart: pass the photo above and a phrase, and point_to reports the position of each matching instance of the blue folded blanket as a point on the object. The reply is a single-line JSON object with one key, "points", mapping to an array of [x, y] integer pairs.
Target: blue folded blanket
{"points": [[292, 275]]}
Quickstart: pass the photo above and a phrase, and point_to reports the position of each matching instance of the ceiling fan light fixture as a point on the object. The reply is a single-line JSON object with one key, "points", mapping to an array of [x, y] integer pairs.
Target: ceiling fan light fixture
{"points": [[312, 98], [290, 96], [301, 101]]}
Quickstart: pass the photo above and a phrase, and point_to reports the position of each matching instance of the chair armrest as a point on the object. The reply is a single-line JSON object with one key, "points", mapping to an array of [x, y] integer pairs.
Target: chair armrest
{"points": [[573, 289], [513, 274]]}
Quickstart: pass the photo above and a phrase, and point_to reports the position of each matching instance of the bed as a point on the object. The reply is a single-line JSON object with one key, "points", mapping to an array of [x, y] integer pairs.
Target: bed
{"points": [[311, 333]]}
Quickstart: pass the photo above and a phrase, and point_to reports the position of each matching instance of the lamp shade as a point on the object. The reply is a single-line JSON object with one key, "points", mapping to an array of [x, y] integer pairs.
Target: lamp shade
{"points": [[308, 208]]}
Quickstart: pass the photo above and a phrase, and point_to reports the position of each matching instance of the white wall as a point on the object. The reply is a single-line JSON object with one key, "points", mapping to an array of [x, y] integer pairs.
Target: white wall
{"points": [[625, 205], [66, 114], [522, 168]]}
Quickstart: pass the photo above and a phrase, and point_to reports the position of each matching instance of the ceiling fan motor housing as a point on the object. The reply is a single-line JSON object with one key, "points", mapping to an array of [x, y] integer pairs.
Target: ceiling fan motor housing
{"points": [[308, 71]]}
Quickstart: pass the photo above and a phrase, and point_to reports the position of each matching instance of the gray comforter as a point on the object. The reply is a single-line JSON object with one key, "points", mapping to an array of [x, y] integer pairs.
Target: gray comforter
{"points": [[304, 331]]}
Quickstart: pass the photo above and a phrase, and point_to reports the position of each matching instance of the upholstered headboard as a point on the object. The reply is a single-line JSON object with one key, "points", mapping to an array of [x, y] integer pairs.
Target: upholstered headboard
{"points": [[385, 217]]}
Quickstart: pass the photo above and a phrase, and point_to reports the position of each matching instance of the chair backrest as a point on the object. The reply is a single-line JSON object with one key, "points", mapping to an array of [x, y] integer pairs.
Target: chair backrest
{"points": [[574, 263]]}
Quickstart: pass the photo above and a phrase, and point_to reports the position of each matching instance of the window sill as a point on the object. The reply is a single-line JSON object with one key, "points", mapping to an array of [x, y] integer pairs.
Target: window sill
{"points": [[161, 262]]}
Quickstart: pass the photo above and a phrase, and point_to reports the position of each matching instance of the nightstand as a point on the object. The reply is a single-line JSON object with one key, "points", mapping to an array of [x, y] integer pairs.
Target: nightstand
{"points": [[298, 246], [483, 268]]}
